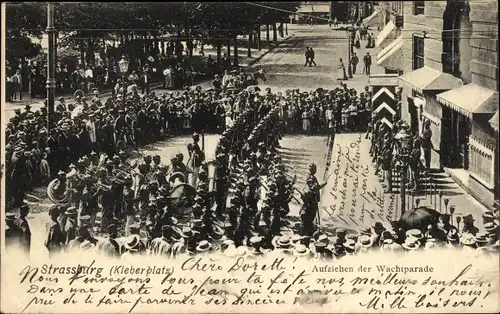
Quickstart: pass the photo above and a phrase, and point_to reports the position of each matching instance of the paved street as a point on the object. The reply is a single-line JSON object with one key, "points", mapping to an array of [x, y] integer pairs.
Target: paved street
{"points": [[244, 61], [353, 197]]}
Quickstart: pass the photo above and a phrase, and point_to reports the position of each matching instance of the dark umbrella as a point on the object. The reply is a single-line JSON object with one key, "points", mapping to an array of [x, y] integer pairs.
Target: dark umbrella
{"points": [[419, 218]]}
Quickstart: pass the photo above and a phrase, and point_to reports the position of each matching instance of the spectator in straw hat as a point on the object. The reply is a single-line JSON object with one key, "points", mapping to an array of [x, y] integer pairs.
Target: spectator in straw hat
{"points": [[282, 243], [453, 238], [481, 240], [132, 247], [488, 216], [302, 251], [468, 241], [492, 231], [365, 242], [411, 244]]}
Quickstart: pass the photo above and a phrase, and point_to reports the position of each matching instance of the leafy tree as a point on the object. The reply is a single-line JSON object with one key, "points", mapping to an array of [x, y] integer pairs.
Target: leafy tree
{"points": [[23, 20]]}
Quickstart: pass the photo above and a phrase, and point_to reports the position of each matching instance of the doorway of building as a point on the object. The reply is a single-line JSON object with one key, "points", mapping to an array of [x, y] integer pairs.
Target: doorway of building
{"points": [[413, 111], [456, 132]]}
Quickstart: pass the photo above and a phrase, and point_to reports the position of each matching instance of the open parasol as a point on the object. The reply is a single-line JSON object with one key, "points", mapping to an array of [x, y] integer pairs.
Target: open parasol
{"points": [[419, 218]]}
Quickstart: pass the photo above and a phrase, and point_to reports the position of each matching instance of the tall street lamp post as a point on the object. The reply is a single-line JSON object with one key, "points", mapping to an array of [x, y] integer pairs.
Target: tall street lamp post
{"points": [[51, 78], [123, 64], [404, 140], [349, 53]]}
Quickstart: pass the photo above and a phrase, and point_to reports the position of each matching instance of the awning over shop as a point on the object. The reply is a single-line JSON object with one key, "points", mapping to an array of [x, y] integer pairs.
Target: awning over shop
{"points": [[494, 121], [374, 19], [417, 101], [391, 56], [470, 99], [428, 79], [384, 34]]}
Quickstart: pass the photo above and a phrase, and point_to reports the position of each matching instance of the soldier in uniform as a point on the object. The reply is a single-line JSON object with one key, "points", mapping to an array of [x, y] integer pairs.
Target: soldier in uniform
{"points": [[311, 200], [196, 158]]}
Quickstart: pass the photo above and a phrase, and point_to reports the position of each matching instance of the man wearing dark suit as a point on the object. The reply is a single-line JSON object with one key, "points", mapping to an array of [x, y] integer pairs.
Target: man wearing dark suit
{"points": [[145, 80], [367, 60]]}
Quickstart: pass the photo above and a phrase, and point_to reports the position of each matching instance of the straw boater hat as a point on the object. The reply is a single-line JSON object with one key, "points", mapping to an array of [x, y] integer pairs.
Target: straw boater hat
{"points": [[490, 227], [365, 241], [132, 242], [186, 232], [301, 251], [411, 244], [481, 239], [415, 233], [468, 239], [488, 216], [203, 246], [282, 242]]}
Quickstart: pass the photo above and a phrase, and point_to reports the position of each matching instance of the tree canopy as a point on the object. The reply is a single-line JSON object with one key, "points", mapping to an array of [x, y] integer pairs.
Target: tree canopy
{"points": [[94, 22]]}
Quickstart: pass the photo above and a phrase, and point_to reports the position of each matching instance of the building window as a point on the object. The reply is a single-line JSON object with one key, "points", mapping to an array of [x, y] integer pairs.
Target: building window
{"points": [[418, 7], [418, 52]]}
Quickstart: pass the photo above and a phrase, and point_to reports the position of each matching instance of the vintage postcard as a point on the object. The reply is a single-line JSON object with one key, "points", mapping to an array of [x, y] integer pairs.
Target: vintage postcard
{"points": [[250, 157]]}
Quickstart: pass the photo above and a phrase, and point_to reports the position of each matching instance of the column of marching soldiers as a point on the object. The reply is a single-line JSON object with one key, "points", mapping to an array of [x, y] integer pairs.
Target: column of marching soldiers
{"points": [[244, 202]]}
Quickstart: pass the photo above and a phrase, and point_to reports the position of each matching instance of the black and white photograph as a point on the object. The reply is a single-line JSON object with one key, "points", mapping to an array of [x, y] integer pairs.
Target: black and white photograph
{"points": [[270, 157]]}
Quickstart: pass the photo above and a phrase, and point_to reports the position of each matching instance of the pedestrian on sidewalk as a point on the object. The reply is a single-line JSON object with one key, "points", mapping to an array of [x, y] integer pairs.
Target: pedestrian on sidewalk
{"points": [[308, 57], [312, 56], [354, 63], [427, 143], [17, 79], [367, 60], [343, 74]]}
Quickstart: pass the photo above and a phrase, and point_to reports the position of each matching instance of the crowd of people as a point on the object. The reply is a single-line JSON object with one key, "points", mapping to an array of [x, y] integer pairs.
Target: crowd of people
{"points": [[237, 204], [389, 157], [341, 109], [35, 154], [171, 63]]}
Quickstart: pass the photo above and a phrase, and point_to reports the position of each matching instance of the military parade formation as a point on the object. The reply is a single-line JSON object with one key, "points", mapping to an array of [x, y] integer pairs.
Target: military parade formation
{"points": [[238, 203]]}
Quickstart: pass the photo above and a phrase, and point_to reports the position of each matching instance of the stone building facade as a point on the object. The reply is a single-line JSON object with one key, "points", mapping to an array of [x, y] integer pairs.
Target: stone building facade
{"points": [[450, 78]]}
